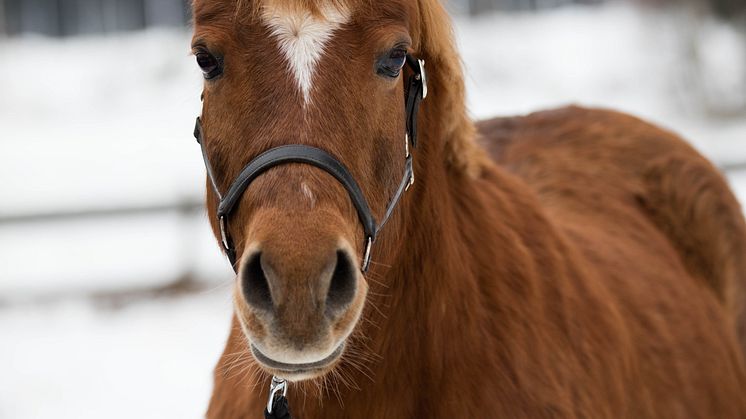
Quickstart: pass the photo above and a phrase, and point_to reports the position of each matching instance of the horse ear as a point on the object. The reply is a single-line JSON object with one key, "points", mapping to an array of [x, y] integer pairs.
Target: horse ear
{"points": [[434, 41]]}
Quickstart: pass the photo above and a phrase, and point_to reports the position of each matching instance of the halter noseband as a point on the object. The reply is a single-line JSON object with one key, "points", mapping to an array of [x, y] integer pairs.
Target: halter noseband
{"points": [[299, 153]]}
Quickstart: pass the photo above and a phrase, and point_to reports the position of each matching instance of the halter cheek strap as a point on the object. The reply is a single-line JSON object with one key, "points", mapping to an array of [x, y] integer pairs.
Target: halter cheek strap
{"points": [[299, 153]]}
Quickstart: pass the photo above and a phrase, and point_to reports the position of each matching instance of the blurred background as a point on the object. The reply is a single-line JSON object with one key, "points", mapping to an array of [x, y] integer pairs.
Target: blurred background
{"points": [[114, 297]]}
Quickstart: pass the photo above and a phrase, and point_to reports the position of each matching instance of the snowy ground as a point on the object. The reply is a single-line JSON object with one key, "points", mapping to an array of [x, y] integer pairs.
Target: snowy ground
{"points": [[106, 122], [74, 360]]}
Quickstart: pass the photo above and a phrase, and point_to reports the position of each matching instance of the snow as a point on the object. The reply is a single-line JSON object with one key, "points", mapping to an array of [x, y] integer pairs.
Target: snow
{"points": [[611, 56], [106, 122], [102, 121], [108, 126], [110, 254], [151, 360]]}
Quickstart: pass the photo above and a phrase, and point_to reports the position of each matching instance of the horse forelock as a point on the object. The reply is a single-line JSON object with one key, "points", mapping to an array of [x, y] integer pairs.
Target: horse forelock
{"points": [[302, 34], [244, 10]]}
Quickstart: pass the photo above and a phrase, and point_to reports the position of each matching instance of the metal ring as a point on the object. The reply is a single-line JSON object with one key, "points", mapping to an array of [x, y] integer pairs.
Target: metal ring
{"points": [[224, 232], [277, 385], [424, 78], [366, 254]]}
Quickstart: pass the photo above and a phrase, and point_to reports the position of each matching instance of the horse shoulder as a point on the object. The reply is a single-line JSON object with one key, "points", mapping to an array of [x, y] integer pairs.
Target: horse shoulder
{"points": [[654, 221]]}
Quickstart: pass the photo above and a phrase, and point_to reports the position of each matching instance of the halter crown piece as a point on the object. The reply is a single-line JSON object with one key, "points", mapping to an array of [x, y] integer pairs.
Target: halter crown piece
{"points": [[299, 153]]}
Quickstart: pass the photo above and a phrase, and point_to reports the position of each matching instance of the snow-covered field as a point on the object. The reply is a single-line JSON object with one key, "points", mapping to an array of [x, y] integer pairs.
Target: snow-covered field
{"points": [[106, 122], [148, 360]]}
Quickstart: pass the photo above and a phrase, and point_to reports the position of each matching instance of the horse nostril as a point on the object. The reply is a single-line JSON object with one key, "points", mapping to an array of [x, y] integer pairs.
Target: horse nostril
{"points": [[342, 284], [254, 284]]}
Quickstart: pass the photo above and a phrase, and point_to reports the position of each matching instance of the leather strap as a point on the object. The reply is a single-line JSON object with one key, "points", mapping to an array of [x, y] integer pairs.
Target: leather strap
{"points": [[415, 94], [297, 153], [406, 181], [208, 167], [280, 409]]}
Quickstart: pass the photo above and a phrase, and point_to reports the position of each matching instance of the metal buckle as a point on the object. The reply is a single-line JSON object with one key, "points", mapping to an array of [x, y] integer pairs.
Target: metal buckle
{"points": [[224, 232], [406, 145], [424, 77], [411, 181], [366, 254], [277, 385]]}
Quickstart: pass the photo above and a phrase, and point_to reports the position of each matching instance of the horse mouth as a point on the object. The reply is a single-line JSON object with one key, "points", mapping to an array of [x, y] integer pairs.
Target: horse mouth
{"points": [[290, 371]]}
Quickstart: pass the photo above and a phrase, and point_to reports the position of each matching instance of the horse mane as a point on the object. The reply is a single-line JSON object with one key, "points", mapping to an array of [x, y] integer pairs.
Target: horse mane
{"points": [[433, 40]]}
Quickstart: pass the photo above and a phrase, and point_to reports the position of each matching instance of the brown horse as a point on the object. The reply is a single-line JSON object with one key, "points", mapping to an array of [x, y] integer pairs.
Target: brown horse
{"points": [[574, 263]]}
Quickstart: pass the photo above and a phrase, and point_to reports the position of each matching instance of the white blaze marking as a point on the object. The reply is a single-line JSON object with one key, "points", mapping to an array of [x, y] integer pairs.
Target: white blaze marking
{"points": [[308, 193], [302, 38]]}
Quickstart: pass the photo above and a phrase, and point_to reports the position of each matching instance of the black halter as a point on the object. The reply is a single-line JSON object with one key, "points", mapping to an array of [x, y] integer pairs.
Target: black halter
{"points": [[299, 153]]}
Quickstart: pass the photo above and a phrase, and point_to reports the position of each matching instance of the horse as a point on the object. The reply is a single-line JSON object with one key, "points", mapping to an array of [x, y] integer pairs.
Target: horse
{"points": [[571, 263]]}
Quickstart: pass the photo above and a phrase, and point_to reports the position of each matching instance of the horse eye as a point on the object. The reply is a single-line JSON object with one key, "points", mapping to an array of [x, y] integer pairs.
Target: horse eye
{"points": [[211, 66], [391, 64]]}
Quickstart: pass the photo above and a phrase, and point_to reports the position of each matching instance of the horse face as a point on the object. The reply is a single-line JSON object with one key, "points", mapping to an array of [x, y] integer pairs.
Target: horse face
{"points": [[324, 75]]}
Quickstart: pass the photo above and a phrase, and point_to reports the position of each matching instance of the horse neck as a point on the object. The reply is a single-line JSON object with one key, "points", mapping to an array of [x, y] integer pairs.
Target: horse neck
{"points": [[462, 266]]}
